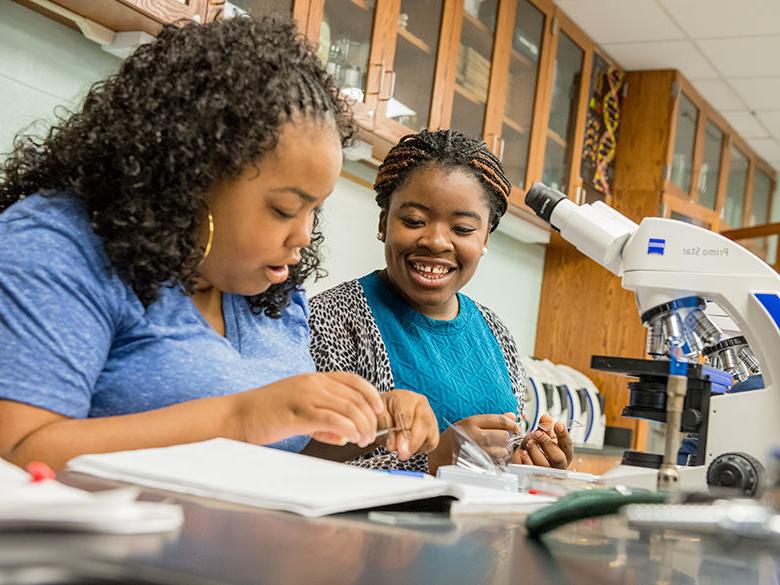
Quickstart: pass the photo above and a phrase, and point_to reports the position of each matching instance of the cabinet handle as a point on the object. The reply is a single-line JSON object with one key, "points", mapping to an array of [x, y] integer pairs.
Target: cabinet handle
{"points": [[493, 143], [381, 78], [392, 86], [501, 150]]}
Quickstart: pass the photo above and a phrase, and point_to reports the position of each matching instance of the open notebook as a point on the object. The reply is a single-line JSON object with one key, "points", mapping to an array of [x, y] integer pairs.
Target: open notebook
{"points": [[269, 478]]}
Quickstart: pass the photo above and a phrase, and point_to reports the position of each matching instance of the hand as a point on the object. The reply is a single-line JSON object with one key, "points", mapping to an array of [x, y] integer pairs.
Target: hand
{"points": [[411, 412], [547, 446], [492, 432], [334, 408]]}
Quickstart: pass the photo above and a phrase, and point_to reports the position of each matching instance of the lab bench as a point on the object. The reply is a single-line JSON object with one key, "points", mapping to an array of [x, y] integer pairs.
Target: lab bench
{"points": [[223, 544]]}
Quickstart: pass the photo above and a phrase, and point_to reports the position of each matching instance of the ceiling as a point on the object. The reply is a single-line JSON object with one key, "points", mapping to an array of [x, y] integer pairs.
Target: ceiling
{"points": [[728, 49]]}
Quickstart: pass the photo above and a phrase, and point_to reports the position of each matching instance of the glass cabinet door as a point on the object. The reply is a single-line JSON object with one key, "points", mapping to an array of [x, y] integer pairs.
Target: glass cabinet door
{"points": [[345, 44], [472, 74], [733, 210], [521, 90], [691, 220], [710, 166], [414, 64], [263, 7], [759, 205], [597, 166], [684, 140], [563, 113]]}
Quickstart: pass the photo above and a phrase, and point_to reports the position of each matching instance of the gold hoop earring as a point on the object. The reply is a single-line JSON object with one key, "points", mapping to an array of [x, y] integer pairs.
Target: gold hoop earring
{"points": [[211, 238]]}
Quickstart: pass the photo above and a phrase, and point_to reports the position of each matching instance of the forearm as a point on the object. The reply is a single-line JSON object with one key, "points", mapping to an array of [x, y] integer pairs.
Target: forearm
{"points": [[187, 422]]}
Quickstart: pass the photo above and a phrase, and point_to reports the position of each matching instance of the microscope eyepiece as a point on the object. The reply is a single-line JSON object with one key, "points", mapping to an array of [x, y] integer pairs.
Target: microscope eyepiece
{"points": [[543, 199]]}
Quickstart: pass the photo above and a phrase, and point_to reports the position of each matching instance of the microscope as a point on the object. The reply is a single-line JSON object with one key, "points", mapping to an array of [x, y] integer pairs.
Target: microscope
{"points": [[687, 280]]}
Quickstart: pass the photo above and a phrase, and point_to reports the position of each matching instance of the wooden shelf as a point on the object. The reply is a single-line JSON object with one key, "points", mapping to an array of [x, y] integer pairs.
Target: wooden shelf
{"points": [[477, 35], [557, 138], [514, 125], [362, 4], [414, 40], [522, 59], [471, 96], [476, 23]]}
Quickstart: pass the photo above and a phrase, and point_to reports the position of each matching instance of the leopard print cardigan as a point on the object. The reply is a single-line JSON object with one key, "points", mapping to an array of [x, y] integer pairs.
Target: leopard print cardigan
{"points": [[345, 337]]}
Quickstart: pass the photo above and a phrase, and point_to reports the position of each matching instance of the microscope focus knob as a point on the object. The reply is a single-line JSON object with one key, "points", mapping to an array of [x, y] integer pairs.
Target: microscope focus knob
{"points": [[691, 419], [737, 471]]}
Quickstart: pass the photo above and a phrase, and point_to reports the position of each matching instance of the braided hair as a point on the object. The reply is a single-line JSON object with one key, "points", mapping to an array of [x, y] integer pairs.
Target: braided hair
{"points": [[447, 149], [191, 109]]}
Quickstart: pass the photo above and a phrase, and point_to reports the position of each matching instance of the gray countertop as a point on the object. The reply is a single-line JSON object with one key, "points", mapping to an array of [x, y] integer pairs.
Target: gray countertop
{"points": [[227, 544]]}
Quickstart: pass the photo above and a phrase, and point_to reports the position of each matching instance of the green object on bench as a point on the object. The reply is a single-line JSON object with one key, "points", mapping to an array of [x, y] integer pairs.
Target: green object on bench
{"points": [[587, 504]]}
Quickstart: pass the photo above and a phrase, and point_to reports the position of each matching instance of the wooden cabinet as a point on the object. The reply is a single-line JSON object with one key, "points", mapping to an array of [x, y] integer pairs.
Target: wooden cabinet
{"points": [[517, 73]]}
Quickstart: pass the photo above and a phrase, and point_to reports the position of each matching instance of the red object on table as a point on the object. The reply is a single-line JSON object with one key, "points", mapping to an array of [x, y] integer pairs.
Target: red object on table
{"points": [[40, 472]]}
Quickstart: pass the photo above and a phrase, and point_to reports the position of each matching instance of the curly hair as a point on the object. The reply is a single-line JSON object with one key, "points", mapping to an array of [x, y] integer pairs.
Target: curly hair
{"points": [[448, 149], [184, 112]]}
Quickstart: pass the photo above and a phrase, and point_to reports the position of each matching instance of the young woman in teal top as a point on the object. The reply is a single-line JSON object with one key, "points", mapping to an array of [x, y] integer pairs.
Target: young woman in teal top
{"points": [[408, 326], [153, 249]]}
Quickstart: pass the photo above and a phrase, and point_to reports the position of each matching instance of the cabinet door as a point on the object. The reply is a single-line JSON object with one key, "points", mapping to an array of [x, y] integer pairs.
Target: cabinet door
{"points": [[561, 123], [734, 209], [351, 36], [521, 89], [759, 202], [477, 25], [411, 59], [681, 167], [759, 210], [674, 207], [597, 166], [709, 171]]}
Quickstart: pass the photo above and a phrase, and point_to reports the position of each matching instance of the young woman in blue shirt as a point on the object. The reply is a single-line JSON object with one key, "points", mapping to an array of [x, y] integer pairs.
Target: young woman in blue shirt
{"points": [[152, 252], [408, 325]]}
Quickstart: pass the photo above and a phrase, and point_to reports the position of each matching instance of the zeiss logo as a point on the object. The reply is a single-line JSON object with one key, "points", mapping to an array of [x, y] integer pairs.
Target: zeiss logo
{"points": [[656, 246]]}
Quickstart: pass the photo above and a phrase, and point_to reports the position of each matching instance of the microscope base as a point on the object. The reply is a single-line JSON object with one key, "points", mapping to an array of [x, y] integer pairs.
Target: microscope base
{"points": [[693, 478]]}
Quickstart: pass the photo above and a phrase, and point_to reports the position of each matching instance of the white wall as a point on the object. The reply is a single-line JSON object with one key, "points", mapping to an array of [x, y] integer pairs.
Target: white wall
{"points": [[508, 280], [43, 64]]}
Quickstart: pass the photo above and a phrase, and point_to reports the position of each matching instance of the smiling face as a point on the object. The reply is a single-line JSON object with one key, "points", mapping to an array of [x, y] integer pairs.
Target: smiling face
{"points": [[435, 229], [264, 218]]}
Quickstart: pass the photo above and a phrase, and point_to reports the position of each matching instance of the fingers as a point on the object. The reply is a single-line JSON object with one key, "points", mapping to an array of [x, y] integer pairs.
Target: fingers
{"points": [[522, 457], [503, 422], [536, 454], [412, 413], [494, 442], [565, 442], [328, 426], [546, 424], [550, 450], [385, 421], [425, 429], [346, 402], [363, 387], [329, 438]]}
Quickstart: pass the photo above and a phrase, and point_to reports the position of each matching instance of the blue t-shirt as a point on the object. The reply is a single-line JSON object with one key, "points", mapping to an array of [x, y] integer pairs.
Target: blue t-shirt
{"points": [[76, 340], [457, 364]]}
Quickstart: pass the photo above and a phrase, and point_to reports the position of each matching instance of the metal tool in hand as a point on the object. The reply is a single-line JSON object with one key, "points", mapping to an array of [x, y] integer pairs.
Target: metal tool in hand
{"points": [[403, 428], [516, 440]]}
